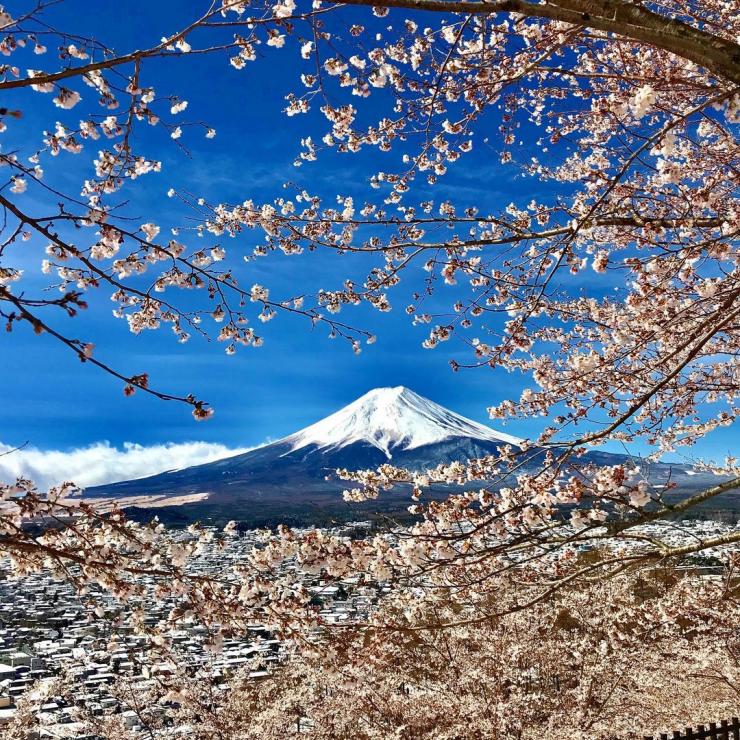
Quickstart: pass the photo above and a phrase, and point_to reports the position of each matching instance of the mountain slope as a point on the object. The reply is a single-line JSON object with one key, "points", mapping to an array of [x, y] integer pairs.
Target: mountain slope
{"points": [[392, 419], [292, 479]]}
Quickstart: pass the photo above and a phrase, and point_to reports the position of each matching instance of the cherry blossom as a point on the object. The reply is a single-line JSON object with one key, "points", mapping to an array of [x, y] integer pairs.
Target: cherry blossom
{"points": [[614, 290]]}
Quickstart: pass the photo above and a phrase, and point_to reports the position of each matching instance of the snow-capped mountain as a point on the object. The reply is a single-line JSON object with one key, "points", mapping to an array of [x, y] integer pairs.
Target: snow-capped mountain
{"points": [[392, 419], [293, 480]]}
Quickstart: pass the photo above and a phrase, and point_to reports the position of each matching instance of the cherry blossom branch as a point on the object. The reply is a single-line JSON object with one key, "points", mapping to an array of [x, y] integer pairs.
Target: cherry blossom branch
{"points": [[719, 55]]}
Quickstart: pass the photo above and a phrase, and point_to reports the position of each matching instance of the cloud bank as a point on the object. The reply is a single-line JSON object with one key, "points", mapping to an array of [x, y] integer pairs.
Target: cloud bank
{"points": [[101, 462]]}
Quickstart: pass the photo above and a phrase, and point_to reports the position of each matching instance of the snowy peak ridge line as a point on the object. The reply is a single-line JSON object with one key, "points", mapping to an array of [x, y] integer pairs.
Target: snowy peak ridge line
{"points": [[392, 418]]}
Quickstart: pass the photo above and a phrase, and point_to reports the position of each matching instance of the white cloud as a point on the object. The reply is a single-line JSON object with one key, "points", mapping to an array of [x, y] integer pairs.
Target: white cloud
{"points": [[103, 463]]}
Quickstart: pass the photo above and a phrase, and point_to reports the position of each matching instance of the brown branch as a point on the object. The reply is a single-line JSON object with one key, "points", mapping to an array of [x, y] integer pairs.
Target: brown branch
{"points": [[678, 508], [719, 56]]}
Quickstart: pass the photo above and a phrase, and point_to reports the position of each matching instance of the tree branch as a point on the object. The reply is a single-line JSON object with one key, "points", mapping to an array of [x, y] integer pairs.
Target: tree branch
{"points": [[719, 56]]}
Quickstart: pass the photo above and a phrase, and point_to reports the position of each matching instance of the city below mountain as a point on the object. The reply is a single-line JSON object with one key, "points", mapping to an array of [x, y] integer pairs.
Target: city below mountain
{"points": [[293, 480]]}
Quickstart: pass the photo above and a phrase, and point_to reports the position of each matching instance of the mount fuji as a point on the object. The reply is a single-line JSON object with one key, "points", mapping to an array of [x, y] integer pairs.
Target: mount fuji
{"points": [[392, 420], [292, 480]]}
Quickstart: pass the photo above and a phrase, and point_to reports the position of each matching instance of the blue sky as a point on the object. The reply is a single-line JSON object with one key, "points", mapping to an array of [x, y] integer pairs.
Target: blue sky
{"points": [[299, 375]]}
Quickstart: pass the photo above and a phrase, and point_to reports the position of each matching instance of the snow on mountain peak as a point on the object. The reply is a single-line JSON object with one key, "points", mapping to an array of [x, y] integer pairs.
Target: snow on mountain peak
{"points": [[392, 418]]}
